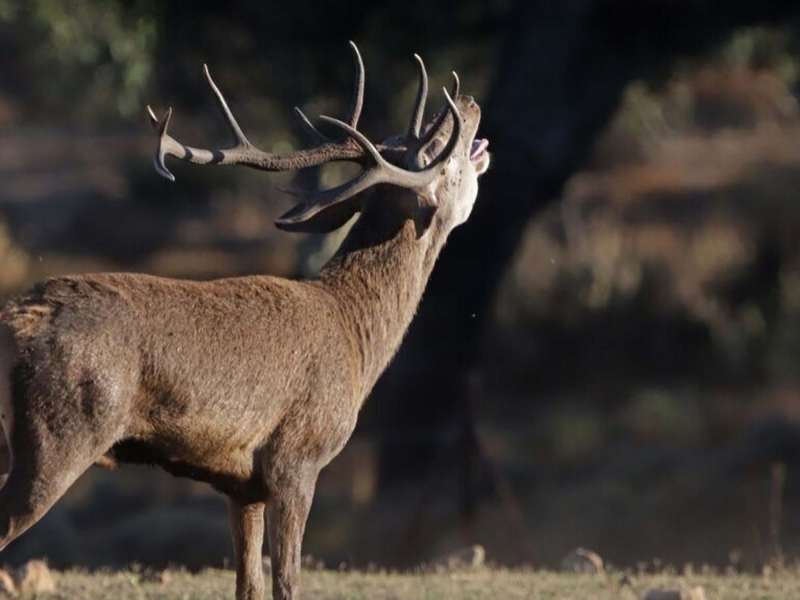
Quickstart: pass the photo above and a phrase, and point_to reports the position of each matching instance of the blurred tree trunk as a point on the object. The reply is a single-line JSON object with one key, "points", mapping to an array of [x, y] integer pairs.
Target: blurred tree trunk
{"points": [[560, 77]]}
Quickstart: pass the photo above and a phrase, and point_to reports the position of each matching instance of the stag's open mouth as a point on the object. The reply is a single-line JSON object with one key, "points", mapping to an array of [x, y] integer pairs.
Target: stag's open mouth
{"points": [[479, 155], [479, 147]]}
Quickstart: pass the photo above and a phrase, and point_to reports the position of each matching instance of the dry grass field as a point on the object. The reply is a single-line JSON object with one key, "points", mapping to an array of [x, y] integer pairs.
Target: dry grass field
{"points": [[475, 585]]}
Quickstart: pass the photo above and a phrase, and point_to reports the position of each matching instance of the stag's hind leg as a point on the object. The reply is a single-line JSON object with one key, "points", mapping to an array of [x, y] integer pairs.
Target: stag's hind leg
{"points": [[39, 477], [55, 437]]}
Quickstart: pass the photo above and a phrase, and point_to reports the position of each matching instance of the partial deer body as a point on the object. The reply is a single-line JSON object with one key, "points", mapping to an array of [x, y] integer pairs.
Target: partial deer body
{"points": [[251, 384]]}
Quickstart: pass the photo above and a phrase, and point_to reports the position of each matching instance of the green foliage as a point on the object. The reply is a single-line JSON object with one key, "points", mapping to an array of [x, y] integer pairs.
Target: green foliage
{"points": [[727, 77], [73, 60], [95, 58], [775, 49]]}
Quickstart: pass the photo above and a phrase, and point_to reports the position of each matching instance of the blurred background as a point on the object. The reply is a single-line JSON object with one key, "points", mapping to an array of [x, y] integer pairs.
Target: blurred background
{"points": [[608, 354]]}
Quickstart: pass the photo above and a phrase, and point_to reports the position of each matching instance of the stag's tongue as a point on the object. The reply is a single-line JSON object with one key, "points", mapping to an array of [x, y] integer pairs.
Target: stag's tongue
{"points": [[479, 146]]}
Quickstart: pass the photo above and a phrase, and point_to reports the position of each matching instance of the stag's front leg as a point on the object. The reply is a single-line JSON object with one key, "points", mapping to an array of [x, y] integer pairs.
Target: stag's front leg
{"points": [[247, 529], [287, 511]]}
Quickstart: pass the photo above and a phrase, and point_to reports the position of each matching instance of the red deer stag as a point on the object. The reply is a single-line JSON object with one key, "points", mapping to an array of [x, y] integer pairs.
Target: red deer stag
{"points": [[252, 384]]}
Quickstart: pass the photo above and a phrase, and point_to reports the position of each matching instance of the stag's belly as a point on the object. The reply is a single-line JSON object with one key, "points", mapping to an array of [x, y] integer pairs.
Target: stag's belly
{"points": [[230, 472]]}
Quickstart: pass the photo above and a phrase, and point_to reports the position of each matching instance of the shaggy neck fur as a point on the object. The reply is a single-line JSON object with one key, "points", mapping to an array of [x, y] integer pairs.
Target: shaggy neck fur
{"points": [[378, 276]]}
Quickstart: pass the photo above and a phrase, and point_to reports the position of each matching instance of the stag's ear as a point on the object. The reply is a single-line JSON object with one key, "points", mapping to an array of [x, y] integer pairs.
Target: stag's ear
{"points": [[314, 218]]}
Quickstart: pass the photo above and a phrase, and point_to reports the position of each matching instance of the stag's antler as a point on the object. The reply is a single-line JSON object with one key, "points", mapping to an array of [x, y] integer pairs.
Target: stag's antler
{"points": [[316, 212], [381, 172]]}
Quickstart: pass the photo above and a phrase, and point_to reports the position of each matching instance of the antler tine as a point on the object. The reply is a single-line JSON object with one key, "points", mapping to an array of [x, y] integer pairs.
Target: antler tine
{"points": [[455, 135], [164, 142], [419, 104], [357, 101], [456, 85], [437, 124], [358, 137], [230, 120], [309, 128], [153, 118]]}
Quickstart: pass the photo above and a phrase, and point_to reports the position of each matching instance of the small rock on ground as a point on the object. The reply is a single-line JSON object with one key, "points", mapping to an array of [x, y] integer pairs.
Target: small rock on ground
{"points": [[471, 557], [312, 563], [34, 578], [154, 576], [583, 561], [7, 586], [683, 593]]}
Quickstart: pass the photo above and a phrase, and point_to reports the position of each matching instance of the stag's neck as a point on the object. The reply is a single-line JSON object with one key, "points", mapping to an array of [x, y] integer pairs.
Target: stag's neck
{"points": [[379, 279]]}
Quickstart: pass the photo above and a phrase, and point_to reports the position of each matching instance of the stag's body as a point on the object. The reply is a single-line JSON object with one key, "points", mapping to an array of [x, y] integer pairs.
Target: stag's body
{"points": [[208, 371], [217, 379], [251, 384]]}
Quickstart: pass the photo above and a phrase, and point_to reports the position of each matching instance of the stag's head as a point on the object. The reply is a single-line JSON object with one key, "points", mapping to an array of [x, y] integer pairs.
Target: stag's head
{"points": [[430, 171], [454, 191]]}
